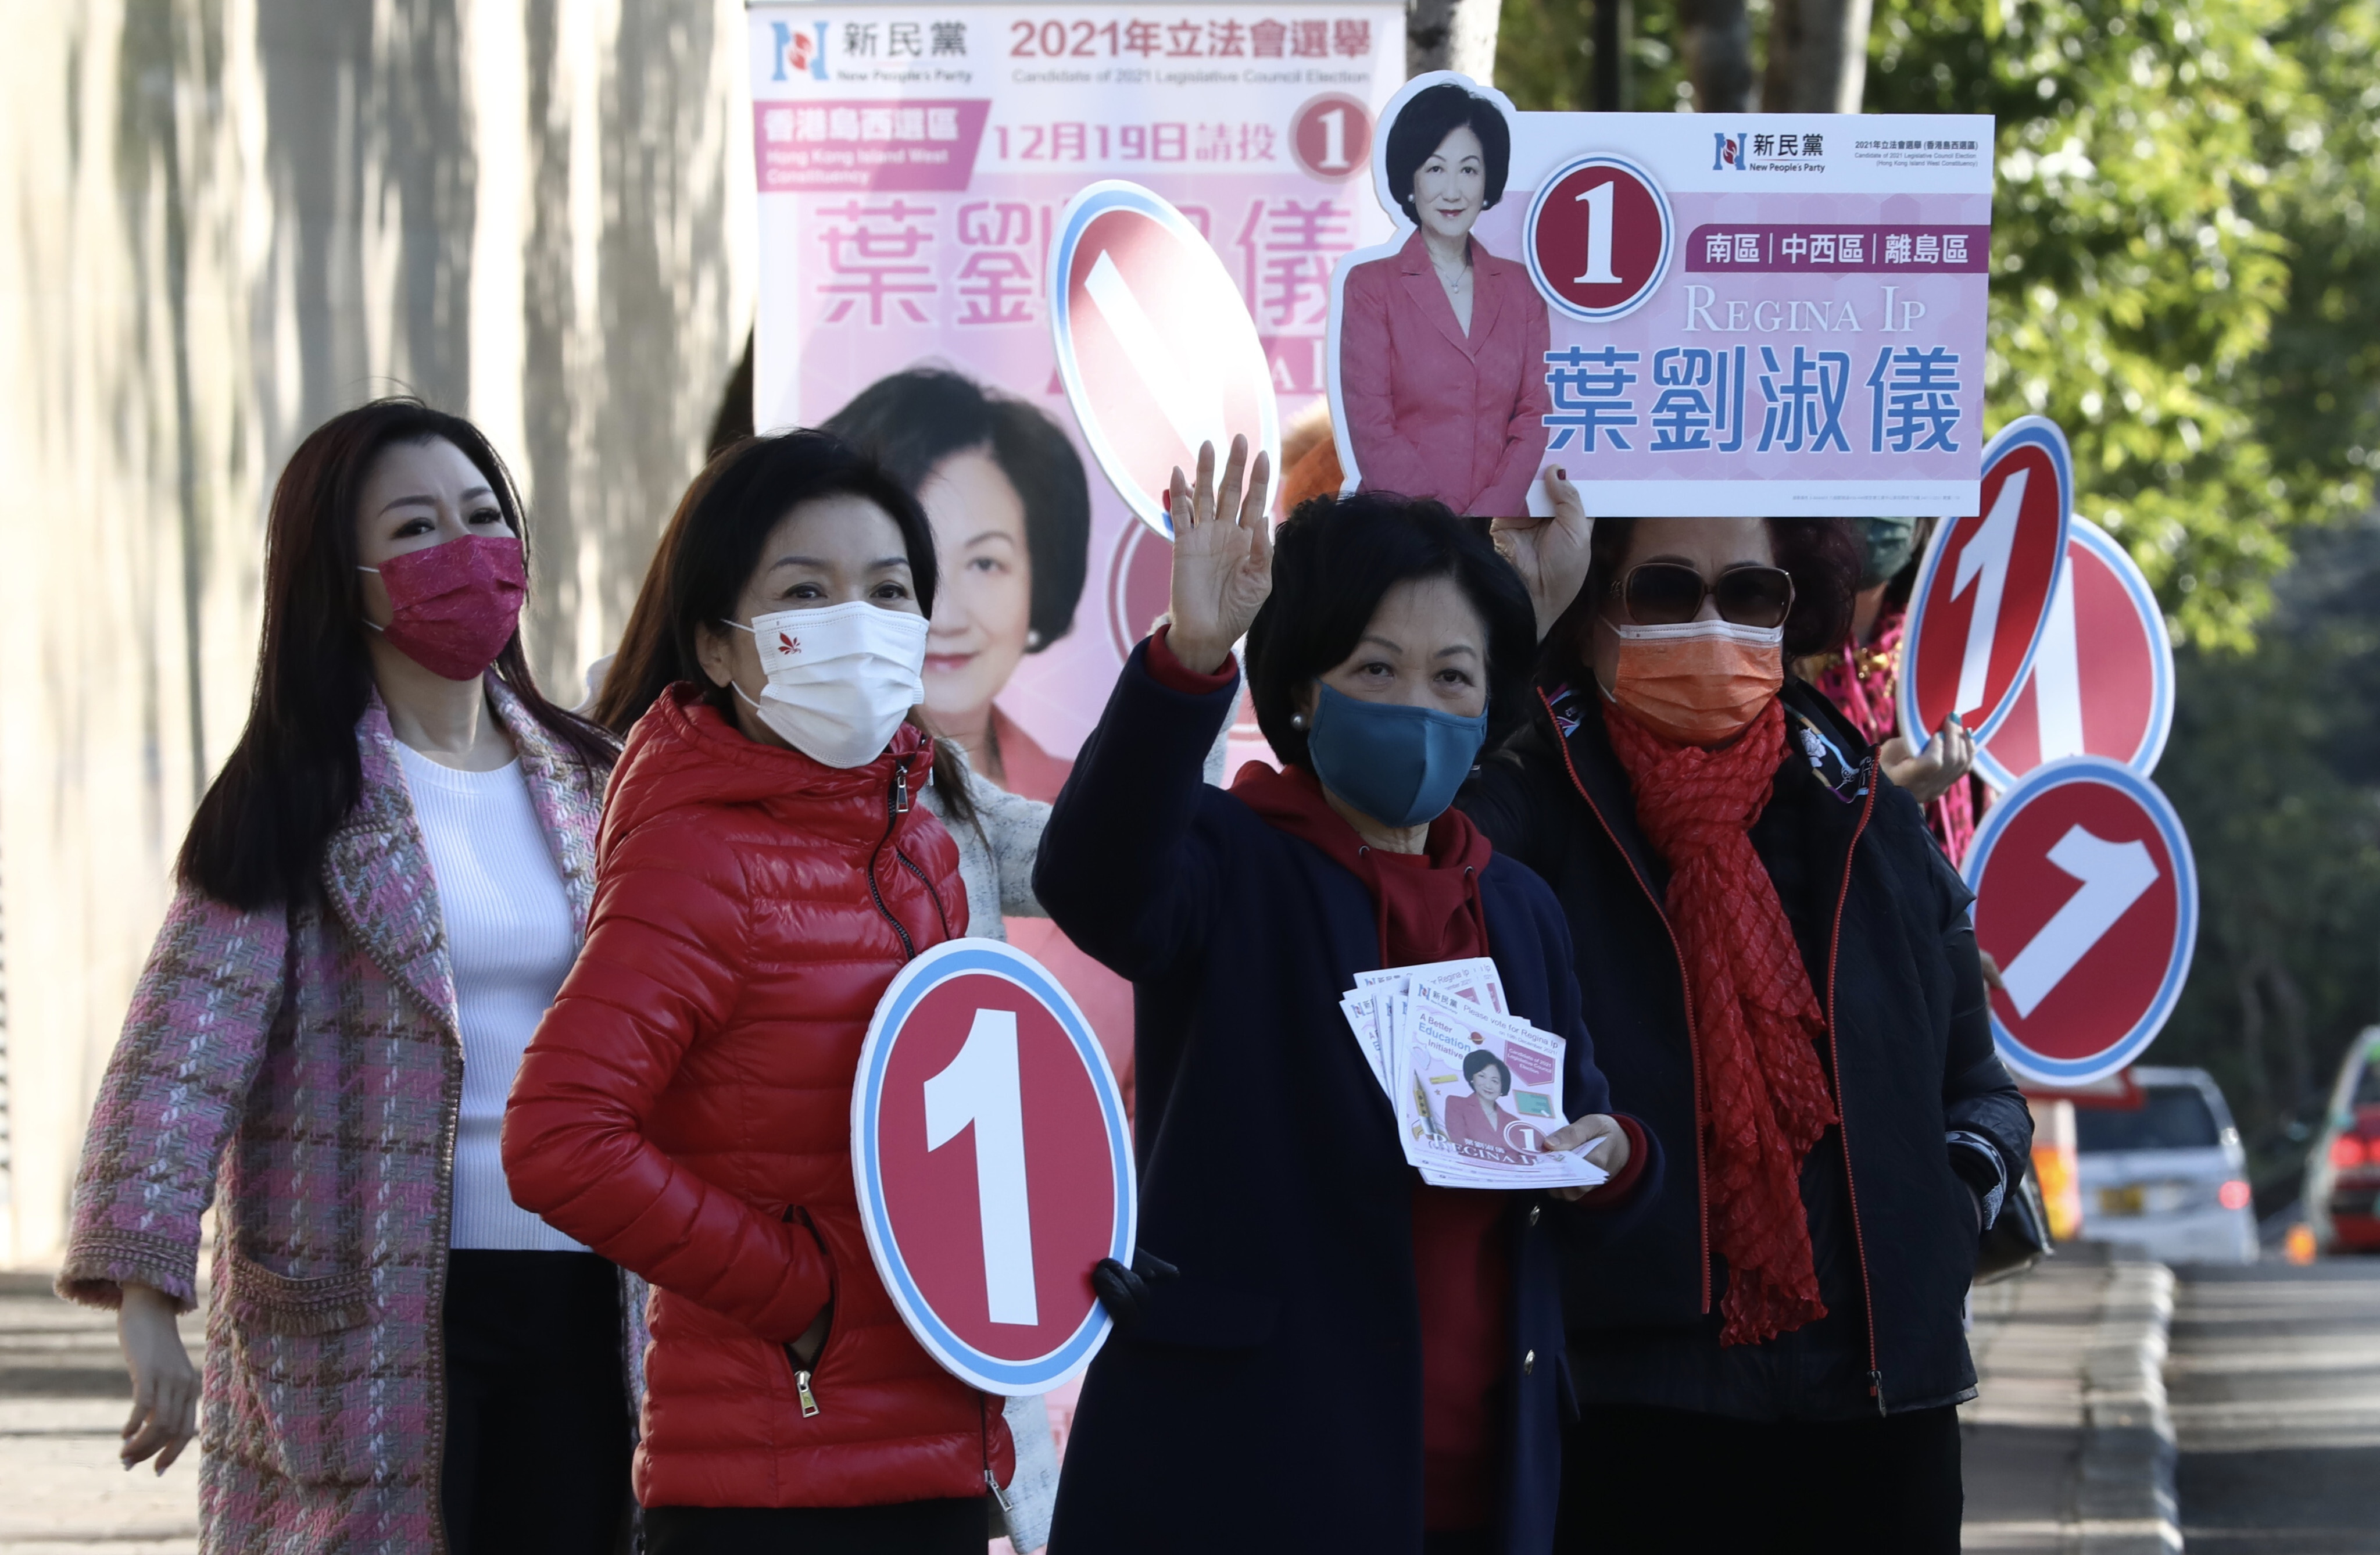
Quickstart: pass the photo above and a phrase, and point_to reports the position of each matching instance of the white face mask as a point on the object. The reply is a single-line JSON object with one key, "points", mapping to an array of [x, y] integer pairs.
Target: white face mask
{"points": [[841, 679]]}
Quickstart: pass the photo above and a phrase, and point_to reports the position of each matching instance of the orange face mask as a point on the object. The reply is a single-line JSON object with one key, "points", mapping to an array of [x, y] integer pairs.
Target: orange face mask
{"points": [[1699, 683]]}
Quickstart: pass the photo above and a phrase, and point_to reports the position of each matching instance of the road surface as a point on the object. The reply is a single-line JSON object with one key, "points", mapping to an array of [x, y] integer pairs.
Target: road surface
{"points": [[63, 1399], [2274, 1380]]}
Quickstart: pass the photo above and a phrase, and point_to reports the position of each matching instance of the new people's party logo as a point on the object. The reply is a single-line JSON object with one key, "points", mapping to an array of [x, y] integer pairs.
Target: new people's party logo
{"points": [[799, 53], [1741, 153]]}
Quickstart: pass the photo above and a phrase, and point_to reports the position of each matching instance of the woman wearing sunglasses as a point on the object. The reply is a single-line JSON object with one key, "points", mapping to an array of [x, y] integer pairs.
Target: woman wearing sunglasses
{"points": [[1777, 966]]}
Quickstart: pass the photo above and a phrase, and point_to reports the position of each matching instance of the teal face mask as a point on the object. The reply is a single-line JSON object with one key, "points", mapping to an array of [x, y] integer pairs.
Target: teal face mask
{"points": [[1400, 765], [1889, 542]]}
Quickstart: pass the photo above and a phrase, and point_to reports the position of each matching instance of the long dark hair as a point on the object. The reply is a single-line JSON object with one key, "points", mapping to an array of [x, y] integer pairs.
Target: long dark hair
{"points": [[912, 420], [1333, 562], [1822, 554], [296, 775], [710, 550]]}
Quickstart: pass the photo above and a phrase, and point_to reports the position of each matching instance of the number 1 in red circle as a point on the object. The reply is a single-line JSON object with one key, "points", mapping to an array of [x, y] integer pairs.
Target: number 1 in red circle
{"points": [[1599, 238]]}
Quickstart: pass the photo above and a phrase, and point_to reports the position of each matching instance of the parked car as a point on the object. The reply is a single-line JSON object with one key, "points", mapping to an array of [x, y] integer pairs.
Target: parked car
{"points": [[2162, 1171], [2342, 1178]]}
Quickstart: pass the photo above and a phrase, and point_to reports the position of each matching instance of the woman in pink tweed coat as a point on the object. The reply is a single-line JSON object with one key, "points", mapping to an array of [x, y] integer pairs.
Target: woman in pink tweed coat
{"points": [[399, 849]]}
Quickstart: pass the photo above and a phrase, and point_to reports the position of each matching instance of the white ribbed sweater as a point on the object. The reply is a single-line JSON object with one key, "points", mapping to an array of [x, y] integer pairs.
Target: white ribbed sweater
{"points": [[511, 939]]}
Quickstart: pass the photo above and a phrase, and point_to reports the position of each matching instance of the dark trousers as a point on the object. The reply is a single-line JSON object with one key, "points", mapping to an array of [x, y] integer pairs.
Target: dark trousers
{"points": [[1674, 1483], [947, 1527], [538, 1432]]}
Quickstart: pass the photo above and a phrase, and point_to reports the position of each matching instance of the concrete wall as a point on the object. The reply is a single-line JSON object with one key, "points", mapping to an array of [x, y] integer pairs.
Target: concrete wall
{"points": [[221, 221]]}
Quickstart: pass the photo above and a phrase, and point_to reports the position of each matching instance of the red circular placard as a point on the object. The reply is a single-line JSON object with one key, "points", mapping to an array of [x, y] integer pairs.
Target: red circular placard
{"points": [[2118, 980], [1937, 657], [2113, 678], [929, 1195], [1180, 363], [1566, 241], [1333, 152]]}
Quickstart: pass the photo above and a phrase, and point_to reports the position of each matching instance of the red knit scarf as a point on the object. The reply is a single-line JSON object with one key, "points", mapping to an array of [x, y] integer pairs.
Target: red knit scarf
{"points": [[1756, 1018]]}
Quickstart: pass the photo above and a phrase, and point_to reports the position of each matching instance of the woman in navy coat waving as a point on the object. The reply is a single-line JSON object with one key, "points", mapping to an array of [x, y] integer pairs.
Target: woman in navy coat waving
{"points": [[1366, 1361]]}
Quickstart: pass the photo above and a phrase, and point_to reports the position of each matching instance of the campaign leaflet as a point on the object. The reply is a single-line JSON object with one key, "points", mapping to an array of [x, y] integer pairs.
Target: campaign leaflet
{"points": [[1733, 314], [1476, 1091]]}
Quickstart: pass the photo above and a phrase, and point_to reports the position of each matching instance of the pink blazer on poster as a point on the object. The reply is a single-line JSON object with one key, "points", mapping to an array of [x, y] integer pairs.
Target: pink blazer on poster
{"points": [[1432, 412], [1470, 1120]]}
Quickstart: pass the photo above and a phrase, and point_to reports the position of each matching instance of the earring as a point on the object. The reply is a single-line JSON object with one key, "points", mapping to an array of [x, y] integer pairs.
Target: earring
{"points": [[1297, 720], [1032, 641]]}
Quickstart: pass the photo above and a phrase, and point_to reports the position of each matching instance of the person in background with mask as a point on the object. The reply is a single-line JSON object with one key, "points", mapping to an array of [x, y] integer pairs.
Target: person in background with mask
{"points": [[1862, 677], [764, 870], [378, 897], [1287, 1251], [1777, 962]]}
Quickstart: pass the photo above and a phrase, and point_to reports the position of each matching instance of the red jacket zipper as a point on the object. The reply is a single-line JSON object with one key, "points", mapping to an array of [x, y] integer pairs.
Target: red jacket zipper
{"points": [[1694, 1049], [1842, 1111], [802, 1374]]}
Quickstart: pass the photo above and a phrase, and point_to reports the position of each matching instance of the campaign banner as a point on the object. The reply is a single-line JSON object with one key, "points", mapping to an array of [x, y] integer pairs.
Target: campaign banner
{"points": [[1734, 315], [914, 162]]}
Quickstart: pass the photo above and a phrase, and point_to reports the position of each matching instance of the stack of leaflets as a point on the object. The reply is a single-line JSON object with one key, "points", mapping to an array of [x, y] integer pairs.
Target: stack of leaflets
{"points": [[1475, 1090]]}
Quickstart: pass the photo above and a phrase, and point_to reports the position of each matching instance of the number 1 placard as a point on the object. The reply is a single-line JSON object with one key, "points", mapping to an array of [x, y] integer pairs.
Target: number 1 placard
{"points": [[2087, 898], [993, 1165], [1981, 603]]}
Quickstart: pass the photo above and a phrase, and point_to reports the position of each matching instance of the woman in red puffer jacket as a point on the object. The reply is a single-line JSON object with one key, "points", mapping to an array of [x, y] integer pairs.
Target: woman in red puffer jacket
{"points": [[763, 871]]}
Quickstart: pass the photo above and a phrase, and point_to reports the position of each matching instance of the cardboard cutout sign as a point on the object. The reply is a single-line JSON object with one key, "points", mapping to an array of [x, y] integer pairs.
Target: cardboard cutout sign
{"points": [[993, 1165], [1157, 351], [1744, 316], [1982, 599], [2101, 683], [2087, 898]]}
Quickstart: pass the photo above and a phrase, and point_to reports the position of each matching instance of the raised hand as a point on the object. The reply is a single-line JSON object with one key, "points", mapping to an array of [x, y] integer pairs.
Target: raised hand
{"points": [[1550, 554], [1222, 555]]}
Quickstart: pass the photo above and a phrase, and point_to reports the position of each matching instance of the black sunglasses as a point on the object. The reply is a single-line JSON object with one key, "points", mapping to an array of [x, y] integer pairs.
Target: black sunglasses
{"points": [[1671, 594]]}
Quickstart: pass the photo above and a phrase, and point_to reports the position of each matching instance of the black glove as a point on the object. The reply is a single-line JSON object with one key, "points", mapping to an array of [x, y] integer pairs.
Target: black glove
{"points": [[1124, 1291]]}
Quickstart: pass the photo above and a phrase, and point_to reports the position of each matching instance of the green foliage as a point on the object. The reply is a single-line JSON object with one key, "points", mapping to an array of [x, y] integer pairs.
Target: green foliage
{"points": [[2151, 154], [1545, 55], [2318, 384], [2186, 277], [2272, 766]]}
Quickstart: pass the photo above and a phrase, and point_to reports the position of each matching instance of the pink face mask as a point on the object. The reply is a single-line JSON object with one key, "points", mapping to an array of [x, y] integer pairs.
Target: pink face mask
{"points": [[456, 606]]}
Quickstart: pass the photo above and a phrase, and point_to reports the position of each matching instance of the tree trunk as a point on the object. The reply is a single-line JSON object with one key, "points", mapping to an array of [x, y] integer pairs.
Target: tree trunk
{"points": [[1718, 55], [1614, 24], [1817, 56], [1451, 35]]}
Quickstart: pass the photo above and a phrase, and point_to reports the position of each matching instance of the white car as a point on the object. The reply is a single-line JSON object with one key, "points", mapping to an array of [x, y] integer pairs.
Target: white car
{"points": [[2162, 1171]]}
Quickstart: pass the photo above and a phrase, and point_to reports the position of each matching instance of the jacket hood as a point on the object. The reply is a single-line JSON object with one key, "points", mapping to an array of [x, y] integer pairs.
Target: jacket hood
{"points": [[684, 751]]}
